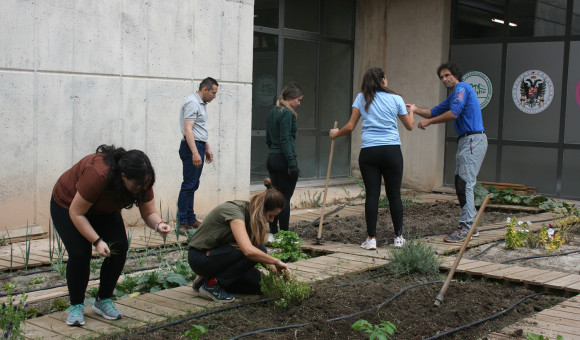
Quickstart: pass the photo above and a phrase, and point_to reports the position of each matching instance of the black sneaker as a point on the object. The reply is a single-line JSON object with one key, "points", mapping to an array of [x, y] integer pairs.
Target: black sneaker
{"points": [[457, 236], [198, 282], [216, 293]]}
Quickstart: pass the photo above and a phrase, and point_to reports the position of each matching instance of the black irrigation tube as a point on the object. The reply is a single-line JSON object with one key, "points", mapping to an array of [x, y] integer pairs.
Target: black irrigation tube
{"points": [[51, 270], [340, 317], [62, 285], [495, 244], [475, 323], [540, 256], [199, 315]]}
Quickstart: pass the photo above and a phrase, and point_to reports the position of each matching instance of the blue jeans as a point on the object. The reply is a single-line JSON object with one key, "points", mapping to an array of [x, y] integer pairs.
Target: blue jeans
{"points": [[190, 183]]}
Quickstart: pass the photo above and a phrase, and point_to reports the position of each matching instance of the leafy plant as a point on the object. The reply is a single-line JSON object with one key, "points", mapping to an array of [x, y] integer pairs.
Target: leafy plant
{"points": [[312, 201], [534, 336], [288, 290], [96, 264], [382, 331], [415, 257], [286, 246], [195, 332], [59, 266], [510, 197], [38, 280], [517, 233], [60, 305], [12, 314]]}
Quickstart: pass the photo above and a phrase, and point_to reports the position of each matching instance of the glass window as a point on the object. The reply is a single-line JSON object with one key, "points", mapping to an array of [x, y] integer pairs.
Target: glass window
{"points": [[530, 166], [301, 15], [570, 171], [537, 18], [300, 66], [576, 18], [266, 13], [571, 134], [337, 19], [479, 19], [264, 92]]}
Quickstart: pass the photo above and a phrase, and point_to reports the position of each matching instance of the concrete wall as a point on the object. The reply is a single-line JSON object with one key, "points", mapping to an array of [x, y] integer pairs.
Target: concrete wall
{"points": [[80, 73], [408, 39]]}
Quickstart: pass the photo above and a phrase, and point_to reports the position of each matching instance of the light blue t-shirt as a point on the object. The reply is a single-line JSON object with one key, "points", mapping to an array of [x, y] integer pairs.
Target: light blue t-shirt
{"points": [[379, 124]]}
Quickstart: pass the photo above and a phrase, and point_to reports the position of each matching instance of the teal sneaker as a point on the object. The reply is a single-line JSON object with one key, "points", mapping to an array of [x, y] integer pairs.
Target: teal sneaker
{"points": [[76, 315], [106, 308]]}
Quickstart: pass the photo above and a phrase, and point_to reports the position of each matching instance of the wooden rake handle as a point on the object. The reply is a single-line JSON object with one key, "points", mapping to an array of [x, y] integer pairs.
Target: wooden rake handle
{"points": [[319, 238]]}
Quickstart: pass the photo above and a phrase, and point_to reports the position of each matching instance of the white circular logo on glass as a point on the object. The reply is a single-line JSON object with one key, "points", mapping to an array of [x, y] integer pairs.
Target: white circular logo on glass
{"points": [[481, 85], [533, 91], [265, 90]]}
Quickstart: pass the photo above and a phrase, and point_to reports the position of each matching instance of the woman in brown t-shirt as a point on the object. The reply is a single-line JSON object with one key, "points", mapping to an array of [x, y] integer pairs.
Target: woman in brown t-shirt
{"points": [[86, 211]]}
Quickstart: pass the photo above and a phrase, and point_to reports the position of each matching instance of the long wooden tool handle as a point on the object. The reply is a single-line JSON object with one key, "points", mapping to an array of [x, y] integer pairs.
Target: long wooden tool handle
{"points": [[326, 185], [441, 295]]}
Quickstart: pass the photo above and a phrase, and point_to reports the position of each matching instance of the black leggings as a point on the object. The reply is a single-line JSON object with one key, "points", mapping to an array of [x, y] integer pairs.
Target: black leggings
{"points": [[385, 162], [112, 229], [278, 170], [232, 270]]}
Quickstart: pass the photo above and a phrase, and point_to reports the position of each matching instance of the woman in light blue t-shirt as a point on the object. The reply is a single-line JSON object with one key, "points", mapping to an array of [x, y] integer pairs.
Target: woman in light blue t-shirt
{"points": [[380, 155]]}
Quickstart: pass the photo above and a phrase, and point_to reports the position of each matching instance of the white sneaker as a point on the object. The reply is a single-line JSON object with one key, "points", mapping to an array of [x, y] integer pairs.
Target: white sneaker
{"points": [[399, 241], [369, 244]]}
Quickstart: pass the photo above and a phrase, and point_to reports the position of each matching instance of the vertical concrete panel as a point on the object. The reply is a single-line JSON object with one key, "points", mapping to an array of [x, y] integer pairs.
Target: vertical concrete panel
{"points": [[209, 29], [81, 36], [134, 41], [169, 34], [134, 113], [245, 43], [411, 72], [17, 18], [17, 203], [230, 43], [54, 35], [163, 135]]}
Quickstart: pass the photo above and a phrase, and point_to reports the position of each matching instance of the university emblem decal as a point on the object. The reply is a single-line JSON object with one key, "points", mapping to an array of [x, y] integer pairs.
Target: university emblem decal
{"points": [[533, 91], [481, 84]]}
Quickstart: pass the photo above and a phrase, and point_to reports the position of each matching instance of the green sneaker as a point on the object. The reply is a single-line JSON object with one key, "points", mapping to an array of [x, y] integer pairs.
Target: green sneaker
{"points": [[76, 315], [106, 308]]}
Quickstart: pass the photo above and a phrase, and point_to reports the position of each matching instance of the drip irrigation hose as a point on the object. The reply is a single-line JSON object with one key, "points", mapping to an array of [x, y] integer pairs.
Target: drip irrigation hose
{"points": [[337, 318], [50, 269], [199, 315], [62, 285], [540, 256], [487, 249], [475, 323]]}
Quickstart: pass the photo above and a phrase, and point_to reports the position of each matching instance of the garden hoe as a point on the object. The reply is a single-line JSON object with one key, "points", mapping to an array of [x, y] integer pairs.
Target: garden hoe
{"points": [[319, 237], [440, 296]]}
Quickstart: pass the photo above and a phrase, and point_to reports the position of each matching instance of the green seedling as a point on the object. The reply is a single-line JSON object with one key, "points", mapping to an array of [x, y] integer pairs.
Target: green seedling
{"points": [[287, 290], [195, 332], [534, 336], [382, 331], [38, 280]]}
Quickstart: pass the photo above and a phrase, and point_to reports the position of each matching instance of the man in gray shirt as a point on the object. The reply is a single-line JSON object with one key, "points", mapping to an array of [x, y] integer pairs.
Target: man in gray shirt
{"points": [[194, 149]]}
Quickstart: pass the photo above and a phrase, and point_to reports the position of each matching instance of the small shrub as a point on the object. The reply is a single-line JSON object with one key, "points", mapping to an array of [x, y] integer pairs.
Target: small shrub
{"points": [[12, 314], [38, 280], [288, 290], [312, 201], [414, 257], [195, 332], [382, 331], [286, 247]]}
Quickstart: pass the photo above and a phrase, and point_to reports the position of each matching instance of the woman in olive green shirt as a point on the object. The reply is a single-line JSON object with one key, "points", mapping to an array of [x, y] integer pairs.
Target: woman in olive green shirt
{"points": [[230, 242]]}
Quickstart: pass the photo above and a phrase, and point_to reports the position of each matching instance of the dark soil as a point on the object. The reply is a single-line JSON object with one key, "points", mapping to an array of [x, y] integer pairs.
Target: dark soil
{"points": [[419, 219], [413, 313]]}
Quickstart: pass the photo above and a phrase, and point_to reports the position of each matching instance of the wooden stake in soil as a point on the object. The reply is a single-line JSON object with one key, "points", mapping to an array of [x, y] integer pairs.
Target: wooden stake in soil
{"points": [[439, 298], [319, 237]]}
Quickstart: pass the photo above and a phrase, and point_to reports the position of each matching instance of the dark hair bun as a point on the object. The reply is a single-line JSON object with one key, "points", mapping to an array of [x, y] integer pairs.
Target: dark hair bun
{"points": [[268, 183]]}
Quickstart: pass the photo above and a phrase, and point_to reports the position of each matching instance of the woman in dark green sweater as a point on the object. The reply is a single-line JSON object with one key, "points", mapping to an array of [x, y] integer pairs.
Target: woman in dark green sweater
{"points": [[281, 127]]}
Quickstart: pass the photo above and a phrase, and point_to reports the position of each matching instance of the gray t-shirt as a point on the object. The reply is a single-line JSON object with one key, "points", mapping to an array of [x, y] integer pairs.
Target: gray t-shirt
{"points": [[193, 108], [215, 229]]}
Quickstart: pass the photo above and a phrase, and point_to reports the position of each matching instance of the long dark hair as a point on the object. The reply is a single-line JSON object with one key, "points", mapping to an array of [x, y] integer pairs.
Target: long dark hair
{"points": [[135, 165], [372, 83], [268, 200]]}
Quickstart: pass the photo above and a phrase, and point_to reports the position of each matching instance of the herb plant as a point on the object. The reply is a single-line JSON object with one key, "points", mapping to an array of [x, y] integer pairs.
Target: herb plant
{"points": [[382, 331], [286, 247]]}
